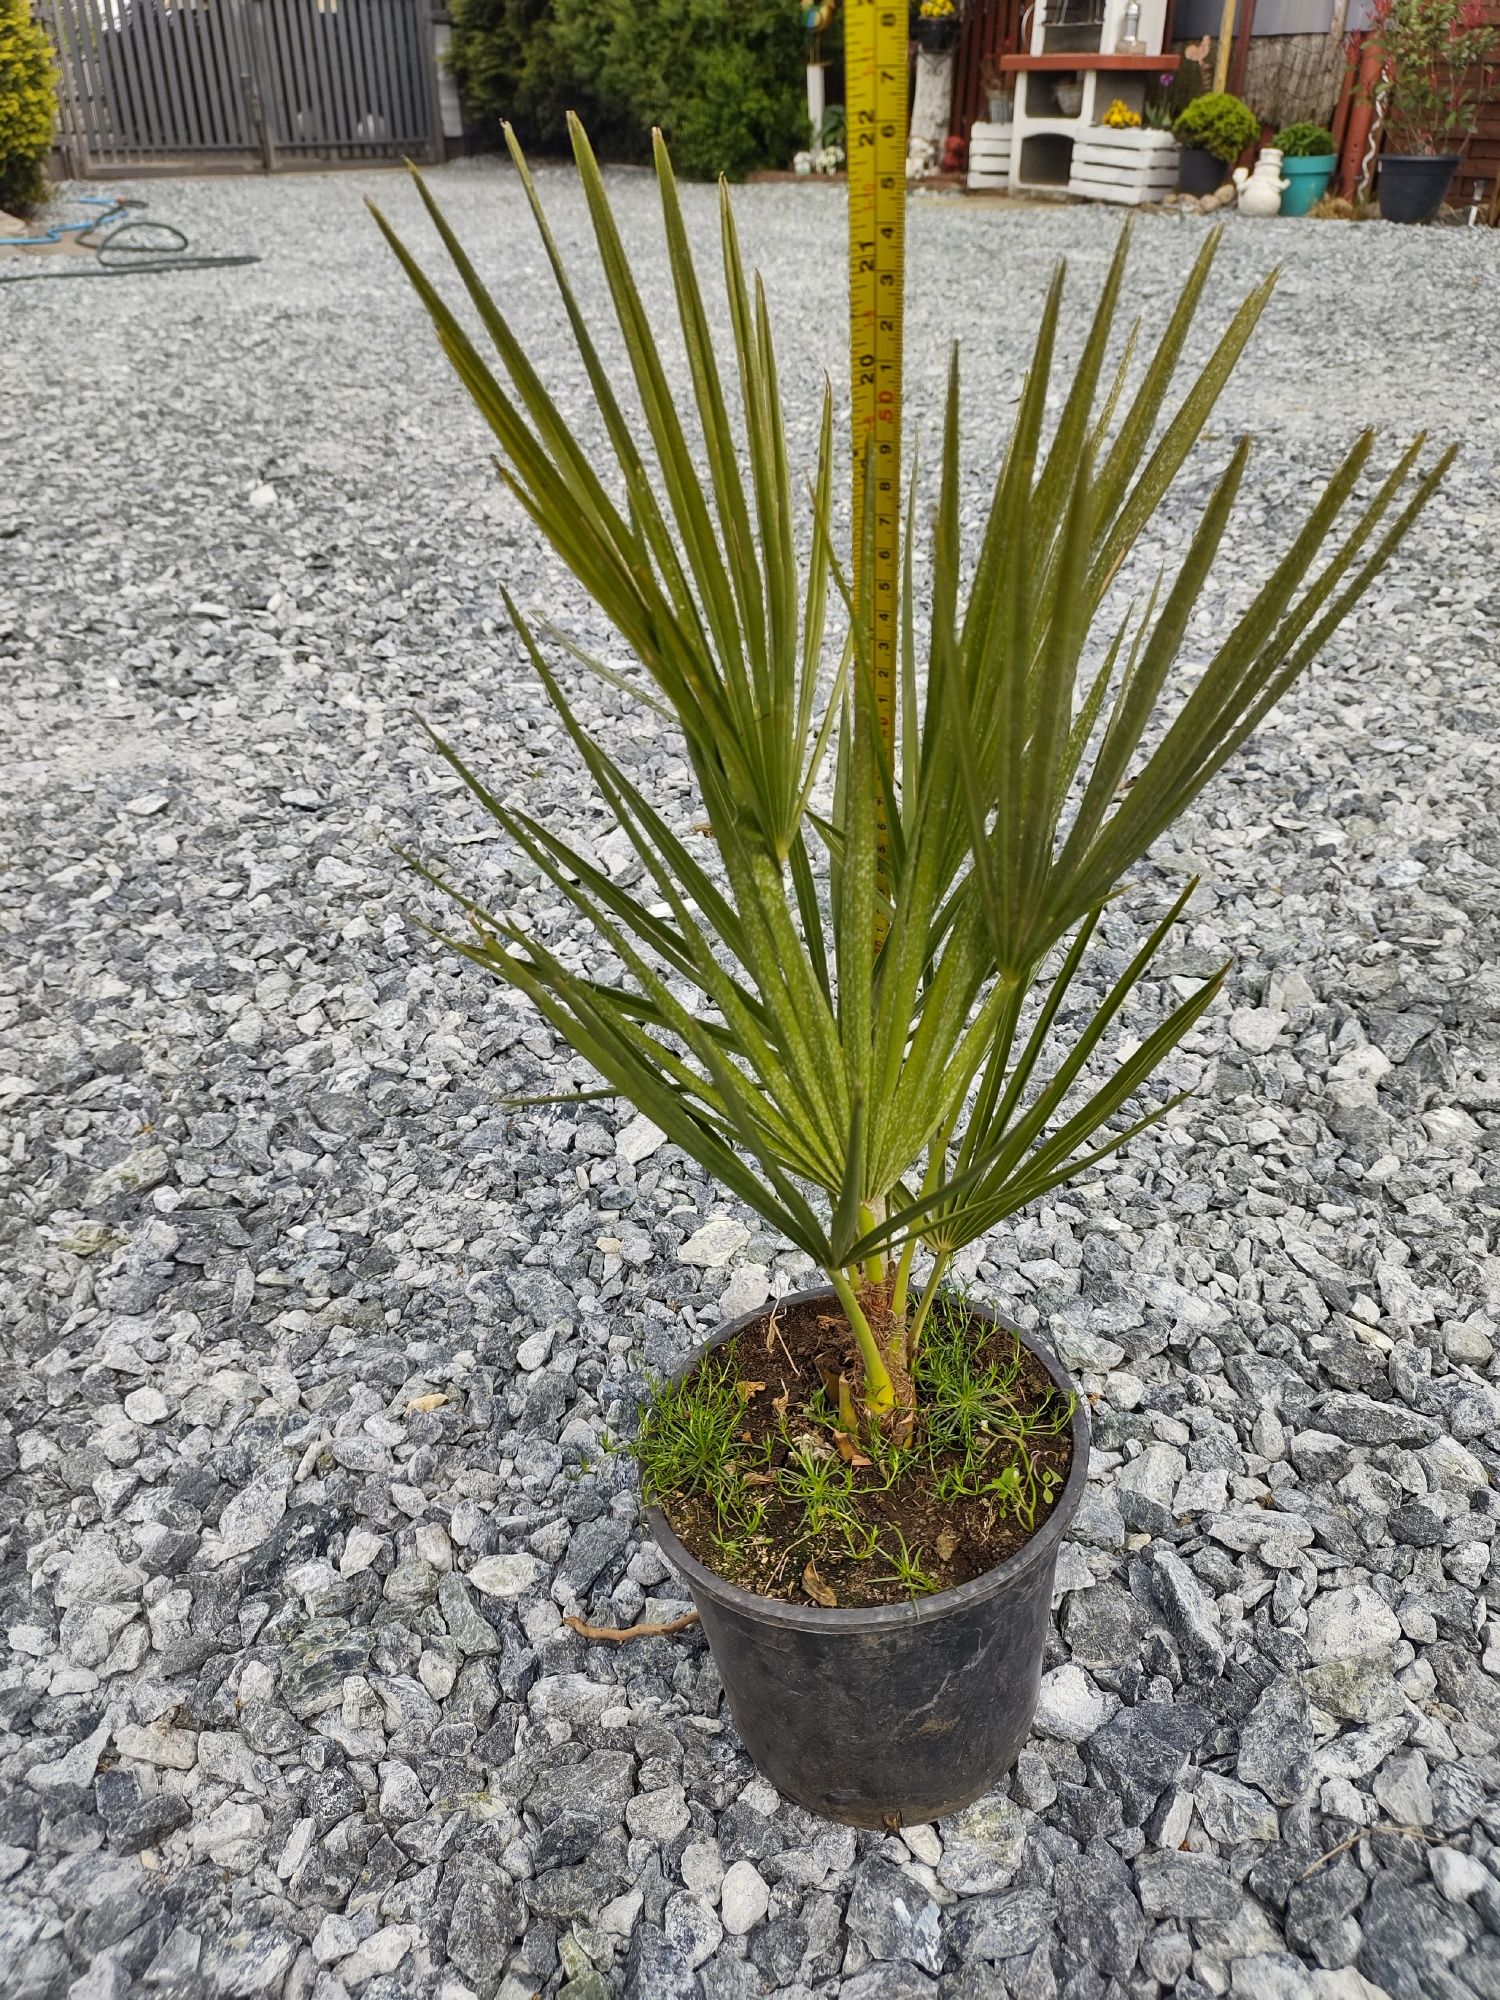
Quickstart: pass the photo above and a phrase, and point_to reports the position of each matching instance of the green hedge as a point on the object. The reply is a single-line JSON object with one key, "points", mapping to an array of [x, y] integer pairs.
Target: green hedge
{"points": [[28, 103], [724, 79]]}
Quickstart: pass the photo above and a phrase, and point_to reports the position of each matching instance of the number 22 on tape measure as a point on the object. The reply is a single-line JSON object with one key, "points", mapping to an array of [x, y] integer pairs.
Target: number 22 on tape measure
{"points": [[875, 40]]}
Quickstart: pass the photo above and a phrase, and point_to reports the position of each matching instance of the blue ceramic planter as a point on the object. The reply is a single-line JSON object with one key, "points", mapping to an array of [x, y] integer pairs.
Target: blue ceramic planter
{"points": [[1309, 179]]}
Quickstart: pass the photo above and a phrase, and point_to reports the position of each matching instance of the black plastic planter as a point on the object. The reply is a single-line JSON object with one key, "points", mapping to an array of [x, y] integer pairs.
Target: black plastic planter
{"points": [[902, 1712], [935, 37], [1199, 172], [1413, 185]]}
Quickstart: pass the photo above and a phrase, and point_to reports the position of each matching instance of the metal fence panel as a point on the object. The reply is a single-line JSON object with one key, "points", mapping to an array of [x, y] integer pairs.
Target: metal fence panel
{"points": [[252, 82]]}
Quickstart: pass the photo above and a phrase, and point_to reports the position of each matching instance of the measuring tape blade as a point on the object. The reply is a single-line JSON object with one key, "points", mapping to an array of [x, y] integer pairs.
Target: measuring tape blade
{"points": [[875, 41]]}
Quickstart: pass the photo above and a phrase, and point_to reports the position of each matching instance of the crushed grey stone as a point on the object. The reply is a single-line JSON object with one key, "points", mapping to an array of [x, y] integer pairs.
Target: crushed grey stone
{"points": [[317, 1347]]}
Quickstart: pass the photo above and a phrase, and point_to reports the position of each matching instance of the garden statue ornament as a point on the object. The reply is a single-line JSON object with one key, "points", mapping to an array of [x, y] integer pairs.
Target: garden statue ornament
{"points": [[921, 158], [1260, 192]]}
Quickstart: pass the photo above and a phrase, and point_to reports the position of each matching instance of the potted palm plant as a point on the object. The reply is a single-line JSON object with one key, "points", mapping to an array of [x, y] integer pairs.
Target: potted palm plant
{"points": [[863, 1005], [1437, 65]]}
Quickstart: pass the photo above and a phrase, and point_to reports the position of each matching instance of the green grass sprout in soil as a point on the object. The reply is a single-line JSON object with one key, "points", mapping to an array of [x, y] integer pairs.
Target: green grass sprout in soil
{"points": [[765, 1480]]}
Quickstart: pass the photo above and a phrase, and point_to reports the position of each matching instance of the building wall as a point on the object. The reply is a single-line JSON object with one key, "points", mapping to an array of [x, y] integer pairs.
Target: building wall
{"points": [[1192, 18]]}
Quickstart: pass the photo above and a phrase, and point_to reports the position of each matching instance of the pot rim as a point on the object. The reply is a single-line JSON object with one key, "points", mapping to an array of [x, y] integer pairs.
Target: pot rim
{"points": [[1041, 1548], [1308, 163], [1423, 159]]}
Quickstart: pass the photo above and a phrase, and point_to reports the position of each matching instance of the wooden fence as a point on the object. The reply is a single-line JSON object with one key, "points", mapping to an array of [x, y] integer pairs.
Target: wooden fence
{"points": [[1482, 159], [991, 28]]}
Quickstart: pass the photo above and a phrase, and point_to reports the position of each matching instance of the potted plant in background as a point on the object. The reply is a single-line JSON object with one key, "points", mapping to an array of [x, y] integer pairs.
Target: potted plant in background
{"points": [[1437, 65], [1213, 130], [1308, 158], [825, 152], [999, 103], [1169, 93], [936, 27], [866, 1004]]}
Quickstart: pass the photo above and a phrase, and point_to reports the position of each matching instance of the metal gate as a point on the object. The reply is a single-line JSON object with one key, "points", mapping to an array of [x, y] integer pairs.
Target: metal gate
{"points": [[243, 83]]}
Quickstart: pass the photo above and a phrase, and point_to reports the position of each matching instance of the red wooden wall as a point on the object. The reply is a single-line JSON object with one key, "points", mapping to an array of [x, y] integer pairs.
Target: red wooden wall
{"points": [[991, 28], [1482, 159]]}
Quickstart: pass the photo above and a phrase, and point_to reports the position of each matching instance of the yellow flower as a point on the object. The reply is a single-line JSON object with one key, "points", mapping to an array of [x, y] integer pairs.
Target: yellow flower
{"points": [[1120, 116]]}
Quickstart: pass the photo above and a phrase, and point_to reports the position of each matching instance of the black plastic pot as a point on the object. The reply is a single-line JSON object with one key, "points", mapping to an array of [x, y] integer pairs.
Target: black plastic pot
{"points": [[1199, 172], [901, 1711], [1413, 185], [936, 37]]}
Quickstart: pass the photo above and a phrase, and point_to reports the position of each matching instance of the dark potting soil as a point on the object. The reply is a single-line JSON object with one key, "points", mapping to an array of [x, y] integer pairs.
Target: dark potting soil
{"points": [[780, 1363]]}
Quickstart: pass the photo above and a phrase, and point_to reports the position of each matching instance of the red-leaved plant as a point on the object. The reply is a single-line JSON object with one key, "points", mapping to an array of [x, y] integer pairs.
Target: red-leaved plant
{"points": [[1438, 63]]}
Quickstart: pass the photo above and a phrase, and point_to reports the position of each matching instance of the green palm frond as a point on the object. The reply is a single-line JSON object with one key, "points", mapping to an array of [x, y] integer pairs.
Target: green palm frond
{"points": [[864, 1097]]}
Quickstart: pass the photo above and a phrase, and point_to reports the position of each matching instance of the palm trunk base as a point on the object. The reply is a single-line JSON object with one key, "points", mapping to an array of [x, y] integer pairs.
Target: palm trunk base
{"points": [[890, 1338]]}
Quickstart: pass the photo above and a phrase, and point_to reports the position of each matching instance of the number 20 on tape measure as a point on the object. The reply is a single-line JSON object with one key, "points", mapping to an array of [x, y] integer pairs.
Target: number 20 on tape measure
{"points": [[875, 42]]}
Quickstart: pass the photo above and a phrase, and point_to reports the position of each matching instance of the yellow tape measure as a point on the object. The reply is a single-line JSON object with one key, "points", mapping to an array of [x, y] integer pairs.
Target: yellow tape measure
{"points": [[875, 39]]}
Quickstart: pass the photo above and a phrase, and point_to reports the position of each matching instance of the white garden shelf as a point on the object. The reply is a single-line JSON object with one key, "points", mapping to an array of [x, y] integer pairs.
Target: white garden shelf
{"points": [[1123, 165], [1076, 46], [989, 156]]}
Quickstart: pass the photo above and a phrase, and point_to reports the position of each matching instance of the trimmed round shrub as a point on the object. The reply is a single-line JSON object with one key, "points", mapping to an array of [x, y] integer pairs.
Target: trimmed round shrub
{"points": [[1218, 123], [1304, 141], [28, 105]]}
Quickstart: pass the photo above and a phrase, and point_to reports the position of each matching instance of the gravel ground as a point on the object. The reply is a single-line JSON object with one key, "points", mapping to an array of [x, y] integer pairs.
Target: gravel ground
{"points": [[311, 1344]]}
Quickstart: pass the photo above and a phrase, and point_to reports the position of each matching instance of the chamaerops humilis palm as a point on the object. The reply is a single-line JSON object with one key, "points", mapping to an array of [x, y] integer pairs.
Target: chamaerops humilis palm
{"points": [[867, 1099]]}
